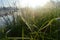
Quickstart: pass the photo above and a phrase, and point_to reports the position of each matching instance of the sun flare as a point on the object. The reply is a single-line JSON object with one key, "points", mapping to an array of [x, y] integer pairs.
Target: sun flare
{"points": [[33, 3]]}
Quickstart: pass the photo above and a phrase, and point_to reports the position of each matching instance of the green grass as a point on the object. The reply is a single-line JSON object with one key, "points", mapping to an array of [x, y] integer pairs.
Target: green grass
{"points": [[40, 26]]}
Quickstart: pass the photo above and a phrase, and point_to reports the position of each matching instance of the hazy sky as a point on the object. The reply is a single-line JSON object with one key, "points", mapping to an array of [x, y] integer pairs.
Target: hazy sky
{"points": [[7, 3]]}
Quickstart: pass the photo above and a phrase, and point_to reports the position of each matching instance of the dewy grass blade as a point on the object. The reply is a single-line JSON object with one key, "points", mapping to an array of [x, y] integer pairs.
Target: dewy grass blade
{"points": [[47, 25], [44, 23], [25, 21], [22, 33]]}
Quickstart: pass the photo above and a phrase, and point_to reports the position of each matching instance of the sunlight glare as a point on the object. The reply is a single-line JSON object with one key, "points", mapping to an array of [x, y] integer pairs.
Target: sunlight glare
{"points": [[33, 3]]}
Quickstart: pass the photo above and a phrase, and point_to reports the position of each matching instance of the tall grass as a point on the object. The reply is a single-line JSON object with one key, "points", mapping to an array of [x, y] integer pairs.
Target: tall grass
{"points": [[35, 25]]}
